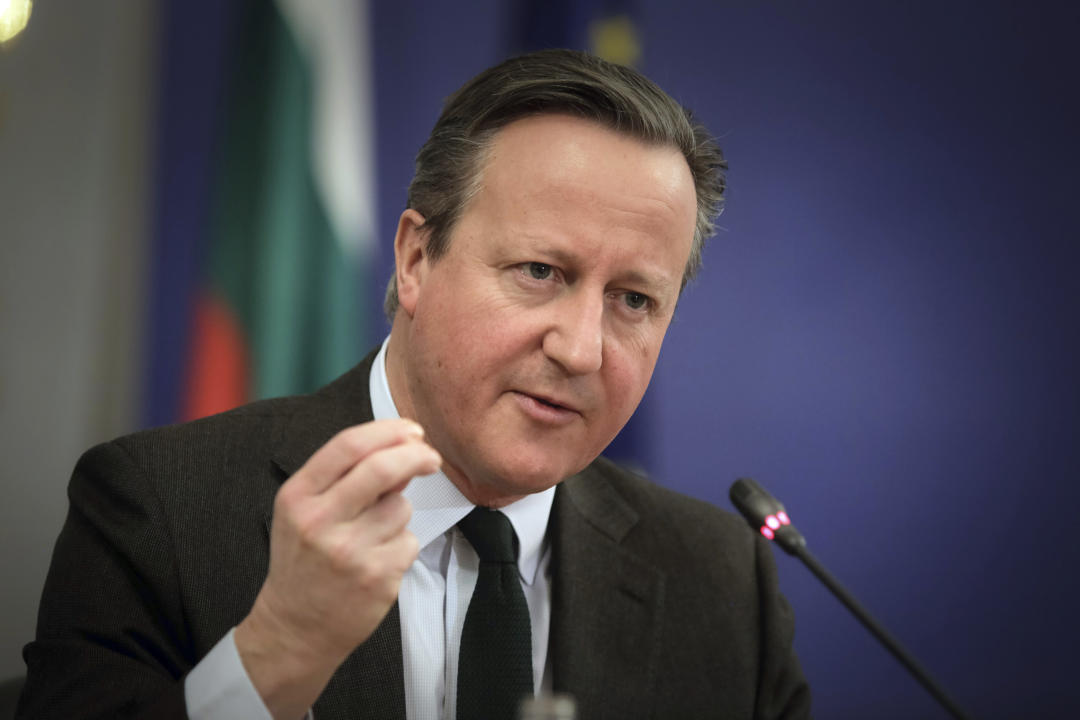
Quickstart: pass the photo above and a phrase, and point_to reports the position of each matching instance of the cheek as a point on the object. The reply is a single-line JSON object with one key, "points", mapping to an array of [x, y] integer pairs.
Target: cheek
{"points": [[467, 348], [625, 383], [629, 368], [471, 302]]}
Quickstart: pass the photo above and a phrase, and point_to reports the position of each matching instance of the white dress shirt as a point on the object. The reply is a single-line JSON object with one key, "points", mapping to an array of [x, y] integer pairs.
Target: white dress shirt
{"points": [[432, 601]]}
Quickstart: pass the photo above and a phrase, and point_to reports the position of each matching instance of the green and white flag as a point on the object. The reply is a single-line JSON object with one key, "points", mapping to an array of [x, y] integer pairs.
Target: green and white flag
{"points": [[292, 221]]}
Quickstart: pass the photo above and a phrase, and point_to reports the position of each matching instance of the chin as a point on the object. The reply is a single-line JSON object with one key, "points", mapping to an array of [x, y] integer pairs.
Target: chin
{"points": [[498, 467], [526, 475]]}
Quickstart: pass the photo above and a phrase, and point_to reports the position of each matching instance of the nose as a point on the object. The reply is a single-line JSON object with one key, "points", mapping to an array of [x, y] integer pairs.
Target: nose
{"points": [[575, 339]]}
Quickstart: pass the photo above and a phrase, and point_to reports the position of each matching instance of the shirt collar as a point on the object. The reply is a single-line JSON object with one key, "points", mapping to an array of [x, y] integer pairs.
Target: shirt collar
{"points": [[437, 503]]}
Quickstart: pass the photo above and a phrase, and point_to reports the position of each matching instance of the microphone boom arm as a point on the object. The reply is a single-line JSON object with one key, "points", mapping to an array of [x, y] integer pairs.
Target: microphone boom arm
{"points": [[765, 513]]}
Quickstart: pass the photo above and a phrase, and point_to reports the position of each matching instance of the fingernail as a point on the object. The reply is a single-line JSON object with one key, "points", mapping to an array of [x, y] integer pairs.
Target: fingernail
{"points": [[414, 430]]}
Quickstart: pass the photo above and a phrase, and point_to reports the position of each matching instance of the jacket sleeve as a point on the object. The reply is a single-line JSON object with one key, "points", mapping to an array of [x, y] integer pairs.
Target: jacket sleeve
{"points": [[110, 641]]}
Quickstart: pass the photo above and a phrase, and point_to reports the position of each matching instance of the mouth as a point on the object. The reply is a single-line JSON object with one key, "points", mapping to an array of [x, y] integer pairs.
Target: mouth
{"points": [[546, 408], [553, 403]]}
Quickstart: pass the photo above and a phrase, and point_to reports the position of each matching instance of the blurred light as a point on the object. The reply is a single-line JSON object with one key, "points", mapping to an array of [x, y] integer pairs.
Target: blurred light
{"points": [[767, 532], [14, 14], [615, 39], [783, 518], [772, 522]]}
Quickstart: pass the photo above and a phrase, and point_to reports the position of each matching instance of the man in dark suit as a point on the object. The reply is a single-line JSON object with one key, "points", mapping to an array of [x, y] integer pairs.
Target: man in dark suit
{"points": [[304, 554]]}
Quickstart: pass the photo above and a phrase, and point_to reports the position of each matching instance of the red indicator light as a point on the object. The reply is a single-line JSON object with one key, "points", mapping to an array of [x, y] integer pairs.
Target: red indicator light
{"points": [[772, 522], [767, 532], [783, 518]]}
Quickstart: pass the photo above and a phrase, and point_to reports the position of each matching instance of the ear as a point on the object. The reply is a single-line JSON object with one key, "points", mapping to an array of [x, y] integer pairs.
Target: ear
{"points": [[411, 259]]}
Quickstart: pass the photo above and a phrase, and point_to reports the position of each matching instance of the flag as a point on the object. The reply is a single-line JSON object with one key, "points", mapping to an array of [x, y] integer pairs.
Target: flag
{"points": [[275, 304]]}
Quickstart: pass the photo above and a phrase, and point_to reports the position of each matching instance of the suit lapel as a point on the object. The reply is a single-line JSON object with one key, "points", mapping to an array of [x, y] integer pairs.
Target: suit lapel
{"points": [[370, 683], [341, 404], [606, 603]]}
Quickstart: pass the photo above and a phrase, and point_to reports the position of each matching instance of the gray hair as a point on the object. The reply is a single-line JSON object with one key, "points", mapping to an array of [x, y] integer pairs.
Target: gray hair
{"points": [[449, 165]]}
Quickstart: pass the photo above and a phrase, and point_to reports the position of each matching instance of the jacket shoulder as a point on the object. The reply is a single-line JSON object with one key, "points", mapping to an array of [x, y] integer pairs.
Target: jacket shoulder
{"points": [[659, 508]]}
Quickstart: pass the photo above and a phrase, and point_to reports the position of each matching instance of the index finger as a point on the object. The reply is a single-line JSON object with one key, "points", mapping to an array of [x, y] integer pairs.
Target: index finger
{"points": [[350, 446]]}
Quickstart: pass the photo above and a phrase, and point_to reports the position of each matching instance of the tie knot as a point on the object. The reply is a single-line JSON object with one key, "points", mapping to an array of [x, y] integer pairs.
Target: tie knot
{"points": [[491, 535]]}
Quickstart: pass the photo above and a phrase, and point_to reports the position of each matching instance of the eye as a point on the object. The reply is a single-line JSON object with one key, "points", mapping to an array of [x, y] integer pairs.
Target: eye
{"points": [[538, 271], [636, 301]]}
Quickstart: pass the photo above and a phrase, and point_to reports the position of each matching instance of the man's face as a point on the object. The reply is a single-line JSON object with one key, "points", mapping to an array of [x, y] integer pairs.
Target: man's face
{"points": [[530, 342]]}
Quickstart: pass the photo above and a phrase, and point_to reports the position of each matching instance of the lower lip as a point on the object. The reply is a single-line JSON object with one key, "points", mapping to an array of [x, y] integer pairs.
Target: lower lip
{"points": [[544, 413]]}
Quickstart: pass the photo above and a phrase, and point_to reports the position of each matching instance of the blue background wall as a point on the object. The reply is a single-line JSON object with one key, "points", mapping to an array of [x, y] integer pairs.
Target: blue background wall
{"points": [[885, 332]]}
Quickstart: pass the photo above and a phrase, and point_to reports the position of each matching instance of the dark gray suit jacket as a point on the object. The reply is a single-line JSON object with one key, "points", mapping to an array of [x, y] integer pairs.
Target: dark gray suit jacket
{"points": [[663, 606]]}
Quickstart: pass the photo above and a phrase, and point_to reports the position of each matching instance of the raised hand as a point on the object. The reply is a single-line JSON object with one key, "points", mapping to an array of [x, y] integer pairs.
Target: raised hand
{"points": [[338, 549]]}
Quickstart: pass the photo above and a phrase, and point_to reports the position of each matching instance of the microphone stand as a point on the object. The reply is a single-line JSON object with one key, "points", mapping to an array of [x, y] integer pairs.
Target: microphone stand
{"points": [[765, 512], [876, 629]]}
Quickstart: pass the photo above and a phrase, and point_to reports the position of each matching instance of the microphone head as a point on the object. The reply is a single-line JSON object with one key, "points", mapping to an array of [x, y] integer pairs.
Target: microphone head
{"points": [[766, 514]]}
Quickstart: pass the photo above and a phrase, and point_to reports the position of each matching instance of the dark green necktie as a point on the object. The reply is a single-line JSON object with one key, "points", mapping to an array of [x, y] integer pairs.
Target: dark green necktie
{"points": [[495, 661]]}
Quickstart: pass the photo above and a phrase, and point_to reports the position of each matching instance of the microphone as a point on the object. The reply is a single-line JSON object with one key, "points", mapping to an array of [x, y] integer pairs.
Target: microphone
{"points": [[769, 517], [765, 513]]}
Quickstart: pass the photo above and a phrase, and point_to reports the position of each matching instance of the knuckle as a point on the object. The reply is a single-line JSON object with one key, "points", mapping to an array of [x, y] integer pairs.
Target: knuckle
{"points": [[381, 467], [309, 523], [340, 554], [403, 509], [391, 512], [411, 547], [353, 441], [396, 508], [286, 497], [370, 573], [403, 553]]}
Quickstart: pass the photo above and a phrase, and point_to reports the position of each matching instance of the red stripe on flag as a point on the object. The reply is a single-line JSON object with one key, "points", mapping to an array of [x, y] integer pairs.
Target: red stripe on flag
{"points": [[218, 369]]}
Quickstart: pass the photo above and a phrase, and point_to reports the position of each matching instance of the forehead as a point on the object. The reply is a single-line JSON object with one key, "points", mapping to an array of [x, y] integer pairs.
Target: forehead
{"points": [[564, 145], [561, 158]]}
